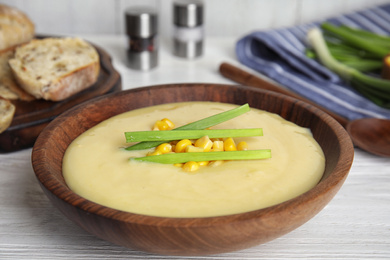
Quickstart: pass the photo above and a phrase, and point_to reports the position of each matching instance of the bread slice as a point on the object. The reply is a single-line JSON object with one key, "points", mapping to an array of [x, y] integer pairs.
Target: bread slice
{"points": [[55, 68], [15, 27], [9, 89], [7, 111]]}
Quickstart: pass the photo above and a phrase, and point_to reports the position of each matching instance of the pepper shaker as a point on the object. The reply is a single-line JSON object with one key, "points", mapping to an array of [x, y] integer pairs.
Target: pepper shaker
{"points": [[142, 32], [188, 29]]}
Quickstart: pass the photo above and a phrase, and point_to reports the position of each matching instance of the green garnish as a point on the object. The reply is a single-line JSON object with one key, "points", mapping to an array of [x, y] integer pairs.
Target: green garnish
{"points": [[140, 136], [197, 125], [172, 158]]}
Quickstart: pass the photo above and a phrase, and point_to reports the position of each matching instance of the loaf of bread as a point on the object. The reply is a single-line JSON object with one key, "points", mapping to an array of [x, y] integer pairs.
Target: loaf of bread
{"points": [[7, 111], [55, 68], [9, 89], [15, 27]]}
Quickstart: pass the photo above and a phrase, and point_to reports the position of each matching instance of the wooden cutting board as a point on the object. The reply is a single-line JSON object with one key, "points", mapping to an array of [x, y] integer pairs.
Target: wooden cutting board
{"points": [[31, 117]]}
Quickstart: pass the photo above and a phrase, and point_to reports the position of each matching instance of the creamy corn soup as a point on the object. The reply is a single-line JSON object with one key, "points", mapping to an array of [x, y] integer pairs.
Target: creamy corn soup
{"points": [[97, 168]]}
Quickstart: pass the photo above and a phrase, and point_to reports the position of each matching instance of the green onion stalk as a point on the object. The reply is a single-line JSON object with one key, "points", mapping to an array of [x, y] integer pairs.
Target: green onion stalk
{"points": [[375, 89], [145, 136], [356, 48], [358, 59], [173, 158], [377, 45]]}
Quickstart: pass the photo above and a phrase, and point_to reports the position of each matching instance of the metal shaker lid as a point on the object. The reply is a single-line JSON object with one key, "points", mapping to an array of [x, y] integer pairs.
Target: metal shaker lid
{"points": [[188, 13], [141, 21]]}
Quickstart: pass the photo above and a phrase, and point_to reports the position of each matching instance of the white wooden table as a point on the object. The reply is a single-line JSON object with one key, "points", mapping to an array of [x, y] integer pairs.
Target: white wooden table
{"points": [[354, 225]]}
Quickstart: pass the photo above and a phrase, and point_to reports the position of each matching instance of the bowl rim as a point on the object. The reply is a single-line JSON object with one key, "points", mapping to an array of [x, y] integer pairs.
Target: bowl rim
{"points": [[64, 193]]}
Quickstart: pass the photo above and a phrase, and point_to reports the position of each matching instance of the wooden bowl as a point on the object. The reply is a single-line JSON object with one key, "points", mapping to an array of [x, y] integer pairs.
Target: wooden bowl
{"points": [[190, 236]]}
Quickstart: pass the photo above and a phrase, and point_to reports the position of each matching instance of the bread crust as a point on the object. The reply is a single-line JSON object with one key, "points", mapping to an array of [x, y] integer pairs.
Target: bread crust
{"points": [[80, 68], [16, 27], [9, 89], [72, 83], [7, 111]]}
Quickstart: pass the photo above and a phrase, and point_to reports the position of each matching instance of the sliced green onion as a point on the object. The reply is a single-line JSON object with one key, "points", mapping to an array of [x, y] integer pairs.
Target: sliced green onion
{"points": [[140, 136], [172, 158], [200, 124]]}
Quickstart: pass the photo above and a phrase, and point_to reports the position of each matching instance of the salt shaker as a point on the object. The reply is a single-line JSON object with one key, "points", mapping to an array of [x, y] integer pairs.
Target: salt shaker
{"points": [[188, 31], [142, 32]]}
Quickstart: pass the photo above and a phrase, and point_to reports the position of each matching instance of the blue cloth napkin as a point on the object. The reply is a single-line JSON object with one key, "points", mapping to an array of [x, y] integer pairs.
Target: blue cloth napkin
{"points": [[279, 54]]}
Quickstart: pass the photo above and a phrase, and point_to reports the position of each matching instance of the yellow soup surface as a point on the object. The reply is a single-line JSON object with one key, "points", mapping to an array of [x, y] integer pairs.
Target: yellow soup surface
{"points": [[97, 168]]}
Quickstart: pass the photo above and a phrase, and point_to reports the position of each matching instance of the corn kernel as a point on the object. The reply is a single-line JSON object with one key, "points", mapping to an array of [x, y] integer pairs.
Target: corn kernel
{"points": [[181, 145], [229, 145], [242, 146], [178, 164], [190, 166], [215, 163], [155, 152], [164, 148], [205, 143], [170, 124], [193, 149], [160, 125], [217, 146], [203, 163]]}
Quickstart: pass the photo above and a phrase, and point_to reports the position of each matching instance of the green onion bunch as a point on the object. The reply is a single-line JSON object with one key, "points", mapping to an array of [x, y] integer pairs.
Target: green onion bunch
{"points": [[356, 55]]}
